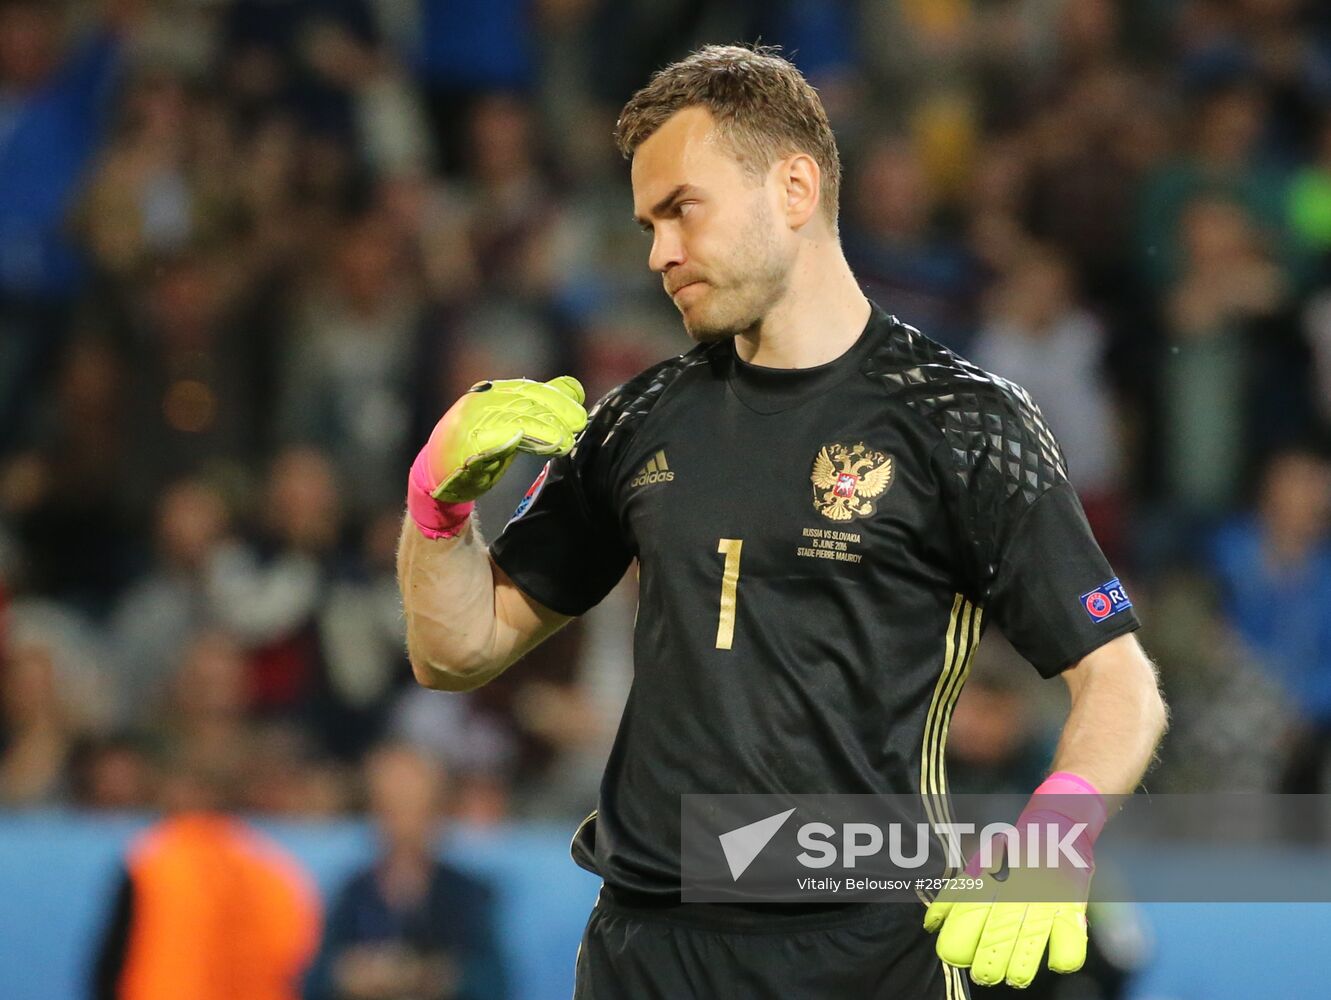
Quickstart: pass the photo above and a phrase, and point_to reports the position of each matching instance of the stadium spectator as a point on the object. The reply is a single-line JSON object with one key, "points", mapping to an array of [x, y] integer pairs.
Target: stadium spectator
{"points": [[1235, 379], [1038, 335], [995, 742], [358, 633], [532, 744], [57, 86], [1269, 42], [190, 400], [408, 926], [995, 226], [207, 908], [1275, 567], [1090, 146], [267, 590], [522, 237], [305, 58], [1230, 714], [348, 382], [115, 773], [163, 181], [52, 694], [896, 246], [1223, 160], [164, 607], [68, 479], [287, 775], [478, 750], [461, 53], [204, 722]]}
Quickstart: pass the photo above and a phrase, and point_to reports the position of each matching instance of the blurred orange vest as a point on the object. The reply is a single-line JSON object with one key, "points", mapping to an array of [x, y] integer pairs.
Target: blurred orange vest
{"points": [[219, 913]]}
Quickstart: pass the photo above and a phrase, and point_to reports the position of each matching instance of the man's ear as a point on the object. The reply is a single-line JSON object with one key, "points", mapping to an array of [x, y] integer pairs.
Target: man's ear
{"points": [[801, 182]]}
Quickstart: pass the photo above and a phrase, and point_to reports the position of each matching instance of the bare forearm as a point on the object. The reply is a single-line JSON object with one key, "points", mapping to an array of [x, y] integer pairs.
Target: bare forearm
{"points": [[467, 622], [449, 601], [1117, 718]]}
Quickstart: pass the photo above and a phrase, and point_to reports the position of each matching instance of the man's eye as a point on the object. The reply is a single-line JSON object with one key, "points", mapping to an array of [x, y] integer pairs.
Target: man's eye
{"points": [[683, 207]]}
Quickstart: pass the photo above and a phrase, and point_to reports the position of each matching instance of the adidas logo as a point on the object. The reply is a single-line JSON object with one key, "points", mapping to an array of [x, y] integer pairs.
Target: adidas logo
{"points": [[655, 471]]}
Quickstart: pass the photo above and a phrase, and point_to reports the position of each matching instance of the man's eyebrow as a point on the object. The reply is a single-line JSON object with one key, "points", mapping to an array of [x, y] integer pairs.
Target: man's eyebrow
{"points": [[664, 203]]}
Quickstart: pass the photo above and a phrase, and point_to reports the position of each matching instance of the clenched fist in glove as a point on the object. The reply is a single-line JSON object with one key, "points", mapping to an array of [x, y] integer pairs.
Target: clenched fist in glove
{"points": [[476, 440]]}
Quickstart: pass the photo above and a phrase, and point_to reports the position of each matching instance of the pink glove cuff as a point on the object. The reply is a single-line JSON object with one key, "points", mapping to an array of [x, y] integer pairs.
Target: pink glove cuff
{"points": [[1066, 783], [1062, 801], [1077, 800], [434, 518]]}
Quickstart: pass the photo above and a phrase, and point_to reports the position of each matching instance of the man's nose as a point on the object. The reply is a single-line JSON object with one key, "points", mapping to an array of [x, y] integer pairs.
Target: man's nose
{"points": [[667, 249]]}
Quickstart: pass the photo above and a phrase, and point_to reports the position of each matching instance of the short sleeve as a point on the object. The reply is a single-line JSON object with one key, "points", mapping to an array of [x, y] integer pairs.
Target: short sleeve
{"points": [[1026, 552], [564, 545], [1055, 596]]}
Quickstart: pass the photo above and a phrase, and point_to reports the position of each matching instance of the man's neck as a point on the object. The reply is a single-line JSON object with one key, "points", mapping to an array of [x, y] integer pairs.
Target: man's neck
{"points": [[819, 318]]}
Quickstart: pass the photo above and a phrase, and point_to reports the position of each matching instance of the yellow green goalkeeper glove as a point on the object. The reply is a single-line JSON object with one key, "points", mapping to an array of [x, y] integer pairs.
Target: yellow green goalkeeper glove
{"points": [[1002, 931], [1004, 942], [474, 443]]}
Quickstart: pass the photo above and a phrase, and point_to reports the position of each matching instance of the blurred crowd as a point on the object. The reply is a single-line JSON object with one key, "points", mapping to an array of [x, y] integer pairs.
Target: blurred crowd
{"points": [[251, 249]]}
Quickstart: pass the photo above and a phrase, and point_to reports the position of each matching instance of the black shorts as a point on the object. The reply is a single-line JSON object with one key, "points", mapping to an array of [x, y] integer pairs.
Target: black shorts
{"points": [[635, 949]]}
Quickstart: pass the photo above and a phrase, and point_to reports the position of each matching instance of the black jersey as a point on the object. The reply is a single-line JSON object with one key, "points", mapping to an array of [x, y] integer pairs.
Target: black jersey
{"points": [[818, 551]]}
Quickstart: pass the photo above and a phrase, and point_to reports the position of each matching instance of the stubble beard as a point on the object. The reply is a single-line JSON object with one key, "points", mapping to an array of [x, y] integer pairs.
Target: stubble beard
{"points": [[738, 301]]}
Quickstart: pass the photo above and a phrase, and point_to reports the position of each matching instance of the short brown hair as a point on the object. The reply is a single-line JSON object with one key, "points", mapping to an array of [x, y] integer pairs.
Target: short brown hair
{"points": [[763, 106]]}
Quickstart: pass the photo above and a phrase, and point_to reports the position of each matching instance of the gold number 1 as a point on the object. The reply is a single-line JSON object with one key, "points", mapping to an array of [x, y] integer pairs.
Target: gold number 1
{"points": [[725, 629]]}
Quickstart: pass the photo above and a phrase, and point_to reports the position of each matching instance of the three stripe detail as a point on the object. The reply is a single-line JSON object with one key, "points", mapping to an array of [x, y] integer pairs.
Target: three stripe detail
{"points": [[963, 636]]}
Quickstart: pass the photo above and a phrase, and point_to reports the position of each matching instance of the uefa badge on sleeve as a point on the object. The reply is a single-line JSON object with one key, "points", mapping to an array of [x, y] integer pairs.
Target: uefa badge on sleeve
{"points": [[1106, 600]]}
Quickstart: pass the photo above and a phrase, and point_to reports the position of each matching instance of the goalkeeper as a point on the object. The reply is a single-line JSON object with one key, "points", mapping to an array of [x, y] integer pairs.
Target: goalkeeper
{"points": [[826, 509]]}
